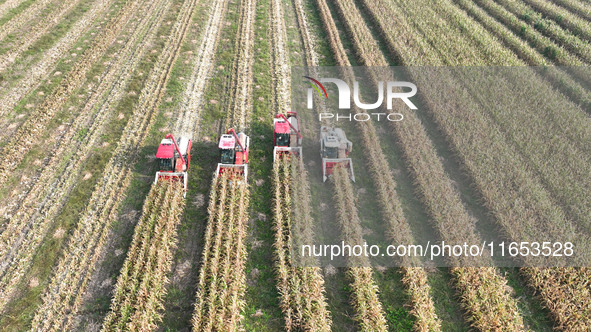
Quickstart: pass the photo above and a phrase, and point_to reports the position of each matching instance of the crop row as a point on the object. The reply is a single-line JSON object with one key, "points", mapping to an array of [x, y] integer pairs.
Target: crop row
{"points": [[63, 298], [23, 41], [364, 292], [137, 302], [530, 55], [30, 14], [222, 279], [22, 141], [301, 288], [26, 229], [543, 44], [415, 279], [580, 8], [533, 140], [500, 203], [280, 60], [576, 23], [241, 79], [565, 174], [51, 189], [137, 298], [569, 41], [510, 191], [483, 309]]}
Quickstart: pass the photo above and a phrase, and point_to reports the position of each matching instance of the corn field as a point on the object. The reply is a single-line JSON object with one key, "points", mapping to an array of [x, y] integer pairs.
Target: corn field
{"points": [[90, 241]]}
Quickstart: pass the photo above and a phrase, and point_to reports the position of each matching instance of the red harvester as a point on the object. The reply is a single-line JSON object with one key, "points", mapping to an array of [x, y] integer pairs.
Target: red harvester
{"points": [[234, 153], [174, 160]]}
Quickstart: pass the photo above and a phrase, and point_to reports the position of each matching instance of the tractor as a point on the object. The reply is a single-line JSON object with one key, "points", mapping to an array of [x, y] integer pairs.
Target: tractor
{"points": [[334, 151], [233, 153], [174, 160]]}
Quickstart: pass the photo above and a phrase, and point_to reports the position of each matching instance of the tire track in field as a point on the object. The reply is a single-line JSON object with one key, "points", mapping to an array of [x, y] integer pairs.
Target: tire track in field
{"points": [[26, 230], [23, 41], [25, 137], [72, 275], [242, 74], [39, 71]]}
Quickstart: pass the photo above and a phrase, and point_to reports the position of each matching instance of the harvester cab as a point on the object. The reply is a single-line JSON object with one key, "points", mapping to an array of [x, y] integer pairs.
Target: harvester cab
{"points": [[334, 151], [174, 159], [287, 138], [234, 153]]}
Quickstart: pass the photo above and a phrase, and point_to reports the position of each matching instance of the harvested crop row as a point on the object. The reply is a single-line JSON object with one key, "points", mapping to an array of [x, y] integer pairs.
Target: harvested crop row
{"points": [[8, 5], [241, 81], [22, 141], [46, 23], [364, 292], [415, 279], [34, 76], [302, 288], [28, 15], [280, 60], [498, 204], [25, 231], [62, 300], [137, 298], [202, 65], [222, 278]]}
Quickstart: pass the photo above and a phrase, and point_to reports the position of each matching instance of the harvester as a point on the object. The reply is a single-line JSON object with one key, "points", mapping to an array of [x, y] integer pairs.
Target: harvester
{"points": [[287, 138], [174, 160], [334, 151], [233, 153]]}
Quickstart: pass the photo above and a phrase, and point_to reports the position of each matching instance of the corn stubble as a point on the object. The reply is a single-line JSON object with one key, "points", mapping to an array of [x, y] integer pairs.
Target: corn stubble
{"points": [[222, 279]]}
